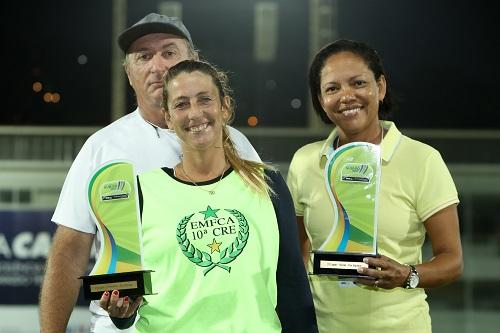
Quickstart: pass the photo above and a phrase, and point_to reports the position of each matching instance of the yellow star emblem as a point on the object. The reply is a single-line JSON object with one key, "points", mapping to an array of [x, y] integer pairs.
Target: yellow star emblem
{"points": [[215, 246]]}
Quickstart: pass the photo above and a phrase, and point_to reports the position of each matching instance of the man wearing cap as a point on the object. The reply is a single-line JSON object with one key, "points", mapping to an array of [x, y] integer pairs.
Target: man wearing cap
{"points": [[151, 47]]}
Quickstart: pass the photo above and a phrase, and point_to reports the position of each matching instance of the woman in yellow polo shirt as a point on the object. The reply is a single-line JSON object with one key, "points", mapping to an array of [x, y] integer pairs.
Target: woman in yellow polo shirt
{"points": [[417, 197]]}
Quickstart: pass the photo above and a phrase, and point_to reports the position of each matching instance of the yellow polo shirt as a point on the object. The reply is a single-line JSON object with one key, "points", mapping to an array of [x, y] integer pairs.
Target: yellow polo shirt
{"points": [[415, 184]]}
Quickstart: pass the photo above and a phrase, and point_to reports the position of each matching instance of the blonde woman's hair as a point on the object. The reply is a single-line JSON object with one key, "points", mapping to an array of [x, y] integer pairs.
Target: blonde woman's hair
{"points": [[252, 172]]}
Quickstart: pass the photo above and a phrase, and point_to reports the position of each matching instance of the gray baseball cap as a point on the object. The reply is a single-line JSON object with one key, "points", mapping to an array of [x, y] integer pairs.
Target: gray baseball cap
{"points": [[150, 24]]}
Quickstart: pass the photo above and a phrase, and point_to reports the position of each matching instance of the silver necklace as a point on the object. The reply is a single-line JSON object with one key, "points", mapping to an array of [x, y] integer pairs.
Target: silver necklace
{"points": [[337, 139], [210, 191]]}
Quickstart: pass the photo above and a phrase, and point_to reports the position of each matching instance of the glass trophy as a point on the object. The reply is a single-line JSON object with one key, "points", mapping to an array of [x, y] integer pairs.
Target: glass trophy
{"points": [[352, 178], [113, 200]]}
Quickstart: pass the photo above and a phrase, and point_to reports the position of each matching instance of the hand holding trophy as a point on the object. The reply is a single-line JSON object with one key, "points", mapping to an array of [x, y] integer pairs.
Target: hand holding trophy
{"points": [[113, 200], [352, 178]]}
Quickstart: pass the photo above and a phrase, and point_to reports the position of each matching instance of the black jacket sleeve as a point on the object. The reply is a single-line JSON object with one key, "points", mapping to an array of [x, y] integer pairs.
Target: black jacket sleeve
{"points": [[295, 304]]}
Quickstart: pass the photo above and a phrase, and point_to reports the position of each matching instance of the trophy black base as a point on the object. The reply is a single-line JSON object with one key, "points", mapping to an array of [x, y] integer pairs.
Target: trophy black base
{"points": [[135, 283], [342, 264]]}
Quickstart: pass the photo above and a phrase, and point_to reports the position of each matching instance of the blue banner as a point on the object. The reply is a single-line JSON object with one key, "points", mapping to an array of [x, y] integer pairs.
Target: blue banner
{"points": [[25, 238]]}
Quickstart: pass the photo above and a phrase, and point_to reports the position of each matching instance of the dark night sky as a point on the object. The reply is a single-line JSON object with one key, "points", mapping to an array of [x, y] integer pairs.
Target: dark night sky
{"points": [[439, 56]]}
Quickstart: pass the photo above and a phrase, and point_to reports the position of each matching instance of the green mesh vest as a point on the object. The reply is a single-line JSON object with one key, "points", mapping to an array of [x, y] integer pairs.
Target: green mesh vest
{"points": [[214, 257]]}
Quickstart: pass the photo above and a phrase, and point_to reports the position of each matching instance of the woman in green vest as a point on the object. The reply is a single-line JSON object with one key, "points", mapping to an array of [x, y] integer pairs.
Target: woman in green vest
{"points": [[219, 232]]}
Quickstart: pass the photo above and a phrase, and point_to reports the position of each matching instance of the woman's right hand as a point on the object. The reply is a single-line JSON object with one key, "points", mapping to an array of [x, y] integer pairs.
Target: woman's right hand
{"points": [[119, 307]]}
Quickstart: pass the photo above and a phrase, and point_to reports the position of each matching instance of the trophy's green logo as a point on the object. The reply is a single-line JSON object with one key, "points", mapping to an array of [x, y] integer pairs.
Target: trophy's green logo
{"points": [[356, 172], [224, 231], [115, 190]]}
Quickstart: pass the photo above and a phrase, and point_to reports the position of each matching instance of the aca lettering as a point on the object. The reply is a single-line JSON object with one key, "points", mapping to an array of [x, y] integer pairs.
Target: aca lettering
{"points": [[25, 245]]}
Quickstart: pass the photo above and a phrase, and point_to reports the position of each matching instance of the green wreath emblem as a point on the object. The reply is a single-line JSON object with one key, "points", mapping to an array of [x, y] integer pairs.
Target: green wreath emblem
{"points": [[202, 258]]}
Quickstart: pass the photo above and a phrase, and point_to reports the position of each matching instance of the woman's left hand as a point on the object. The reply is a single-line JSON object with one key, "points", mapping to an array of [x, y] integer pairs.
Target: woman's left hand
{"points": [[119, 307], [386, 273]]}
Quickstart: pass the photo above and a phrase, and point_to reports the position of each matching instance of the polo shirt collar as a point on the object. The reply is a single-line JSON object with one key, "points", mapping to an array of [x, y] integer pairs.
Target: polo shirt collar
{"points": [[389, 143], [155, 130], [391, 140]]}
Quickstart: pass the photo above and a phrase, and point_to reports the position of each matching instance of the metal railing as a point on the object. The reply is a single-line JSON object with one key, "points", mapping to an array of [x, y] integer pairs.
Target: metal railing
{"points": [[276, 144]]}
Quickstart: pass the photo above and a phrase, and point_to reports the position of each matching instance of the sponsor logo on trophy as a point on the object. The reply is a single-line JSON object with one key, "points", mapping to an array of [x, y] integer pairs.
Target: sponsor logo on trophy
{"points": [[352, 179], [113, 201]]}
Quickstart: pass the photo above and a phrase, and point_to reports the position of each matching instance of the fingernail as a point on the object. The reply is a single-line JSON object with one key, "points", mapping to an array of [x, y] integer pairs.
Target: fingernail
{"points": [[106, 294], [125, 299], [115, 292], [360, 270], [365, 260]]}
